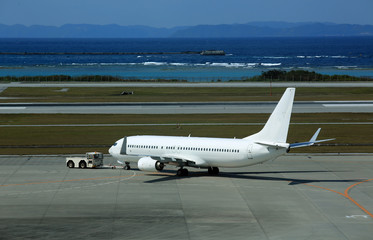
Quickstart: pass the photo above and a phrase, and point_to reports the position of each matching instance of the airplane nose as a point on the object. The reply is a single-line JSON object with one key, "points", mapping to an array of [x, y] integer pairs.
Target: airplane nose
{"points": [[114, 150]]}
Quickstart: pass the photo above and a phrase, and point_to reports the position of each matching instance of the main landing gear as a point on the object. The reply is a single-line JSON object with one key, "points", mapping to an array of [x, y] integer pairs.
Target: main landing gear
{"points": [[127, 166], [182, 172], [213, 170]]}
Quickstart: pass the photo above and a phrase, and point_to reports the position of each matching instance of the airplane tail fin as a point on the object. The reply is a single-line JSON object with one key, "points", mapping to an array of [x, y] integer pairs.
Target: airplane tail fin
{"points": [[277, 126]]}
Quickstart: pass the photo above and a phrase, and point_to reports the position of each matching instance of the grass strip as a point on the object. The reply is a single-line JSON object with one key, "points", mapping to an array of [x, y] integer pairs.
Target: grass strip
{"points": [[42, 119], [177, 94], [14, 136]]}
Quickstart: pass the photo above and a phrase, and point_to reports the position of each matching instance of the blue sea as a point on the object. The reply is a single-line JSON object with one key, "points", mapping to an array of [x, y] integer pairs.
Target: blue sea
{"points": [[244, 57]]}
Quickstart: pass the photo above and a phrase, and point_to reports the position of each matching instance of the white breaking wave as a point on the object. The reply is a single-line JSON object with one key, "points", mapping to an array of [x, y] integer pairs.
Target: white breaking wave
{"points": [[116, 64], [179, 64], [85, 64], [320, 56], [237, 65], [154, 63], [345, 67], [175, 64], [220, 64], [270, 64], [338, 57], [270, 57], [233, 65]]}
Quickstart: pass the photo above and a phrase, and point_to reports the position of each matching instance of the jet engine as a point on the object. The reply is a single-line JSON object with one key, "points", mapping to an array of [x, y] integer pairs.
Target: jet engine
{"points": [[149, 164]]}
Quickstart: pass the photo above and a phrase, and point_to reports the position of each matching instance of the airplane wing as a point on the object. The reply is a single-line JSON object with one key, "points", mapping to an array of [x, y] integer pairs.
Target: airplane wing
{"points": [[179, 160], [311, 141]]}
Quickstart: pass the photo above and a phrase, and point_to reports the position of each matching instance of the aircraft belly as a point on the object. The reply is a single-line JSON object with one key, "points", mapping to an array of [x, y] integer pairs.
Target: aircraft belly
{"points": [[228, 161]]}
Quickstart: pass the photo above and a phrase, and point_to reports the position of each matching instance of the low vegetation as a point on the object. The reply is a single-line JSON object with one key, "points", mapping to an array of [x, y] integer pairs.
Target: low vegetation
{"points": [[271, 75], [303, 76], [177, 94]]}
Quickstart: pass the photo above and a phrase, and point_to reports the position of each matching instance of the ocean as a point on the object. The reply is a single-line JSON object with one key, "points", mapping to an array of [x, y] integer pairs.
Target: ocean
{"points": [[244, 57]]}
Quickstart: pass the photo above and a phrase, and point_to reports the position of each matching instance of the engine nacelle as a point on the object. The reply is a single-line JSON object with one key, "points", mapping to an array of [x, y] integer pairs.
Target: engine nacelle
{"points": [[149, 164]]}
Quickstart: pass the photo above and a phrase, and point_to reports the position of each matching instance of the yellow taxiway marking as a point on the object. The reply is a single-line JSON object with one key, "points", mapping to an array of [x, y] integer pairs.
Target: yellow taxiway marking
{"points": [[346, 194]]}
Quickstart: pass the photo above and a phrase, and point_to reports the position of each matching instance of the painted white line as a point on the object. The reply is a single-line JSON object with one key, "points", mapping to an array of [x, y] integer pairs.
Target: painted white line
{"points": [[348, 105], [12, 108], [358, 216]]}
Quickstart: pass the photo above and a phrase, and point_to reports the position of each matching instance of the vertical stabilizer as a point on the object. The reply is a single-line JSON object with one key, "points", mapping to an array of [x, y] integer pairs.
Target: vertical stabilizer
{"points": [[277, 126]]}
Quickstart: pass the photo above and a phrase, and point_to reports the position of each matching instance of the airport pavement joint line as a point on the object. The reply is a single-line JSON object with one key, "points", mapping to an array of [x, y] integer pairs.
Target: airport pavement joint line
{"points": [[346, 194], [56, 190], [70, 180]]}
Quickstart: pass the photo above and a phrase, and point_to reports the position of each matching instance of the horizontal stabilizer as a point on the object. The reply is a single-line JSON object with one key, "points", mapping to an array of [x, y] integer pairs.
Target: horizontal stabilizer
{"points": [[311, 141], [274, 144]]}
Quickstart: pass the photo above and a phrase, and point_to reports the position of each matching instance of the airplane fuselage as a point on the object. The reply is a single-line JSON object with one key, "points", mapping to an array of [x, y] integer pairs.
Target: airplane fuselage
{"points": [[198, 151]]}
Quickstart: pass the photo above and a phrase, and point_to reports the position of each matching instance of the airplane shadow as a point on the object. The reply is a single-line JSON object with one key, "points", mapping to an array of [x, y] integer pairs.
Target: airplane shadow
{"points": [[250, 176]]}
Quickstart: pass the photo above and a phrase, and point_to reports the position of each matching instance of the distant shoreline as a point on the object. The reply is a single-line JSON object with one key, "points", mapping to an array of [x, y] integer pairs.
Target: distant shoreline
{"points": [[97, 53], [253, 29], [268, 76]]}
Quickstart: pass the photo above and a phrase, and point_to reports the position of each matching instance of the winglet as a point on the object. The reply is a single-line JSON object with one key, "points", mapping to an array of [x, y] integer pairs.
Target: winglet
{"points": [[311, 141], [314, 137]]}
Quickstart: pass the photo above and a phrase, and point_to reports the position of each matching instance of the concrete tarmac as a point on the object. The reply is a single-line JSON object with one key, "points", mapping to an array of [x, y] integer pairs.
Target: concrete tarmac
{"points": [[294, 197]]}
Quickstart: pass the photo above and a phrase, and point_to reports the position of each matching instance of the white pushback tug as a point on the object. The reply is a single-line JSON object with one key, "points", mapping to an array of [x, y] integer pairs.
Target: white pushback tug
{"points": [[91, 160]]}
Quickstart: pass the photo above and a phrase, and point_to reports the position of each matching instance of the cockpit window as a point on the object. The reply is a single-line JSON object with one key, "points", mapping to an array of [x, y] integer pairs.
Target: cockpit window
{"points": [[115, 144]]}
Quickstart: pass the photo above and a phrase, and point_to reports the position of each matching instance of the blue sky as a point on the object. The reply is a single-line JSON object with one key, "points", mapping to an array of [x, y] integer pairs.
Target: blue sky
{"points": [[170, 13]]}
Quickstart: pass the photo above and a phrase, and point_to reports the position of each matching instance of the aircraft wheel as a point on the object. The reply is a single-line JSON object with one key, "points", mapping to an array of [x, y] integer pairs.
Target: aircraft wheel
{"points": [[71, 164], [82, 164], [182, 172], [127, 167], [213, 170], [185, 172]]}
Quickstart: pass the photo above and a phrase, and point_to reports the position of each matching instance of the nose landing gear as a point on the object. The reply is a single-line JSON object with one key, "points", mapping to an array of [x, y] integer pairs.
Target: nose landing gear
{"points": [[213, 170]]}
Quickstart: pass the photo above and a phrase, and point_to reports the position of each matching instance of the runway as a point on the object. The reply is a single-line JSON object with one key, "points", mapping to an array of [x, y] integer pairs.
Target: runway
{"points": [[294, 197], [184, 107]]}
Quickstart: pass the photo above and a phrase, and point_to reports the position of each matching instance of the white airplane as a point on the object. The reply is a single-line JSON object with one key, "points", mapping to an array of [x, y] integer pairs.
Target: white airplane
{"points": [[211, 153]]}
